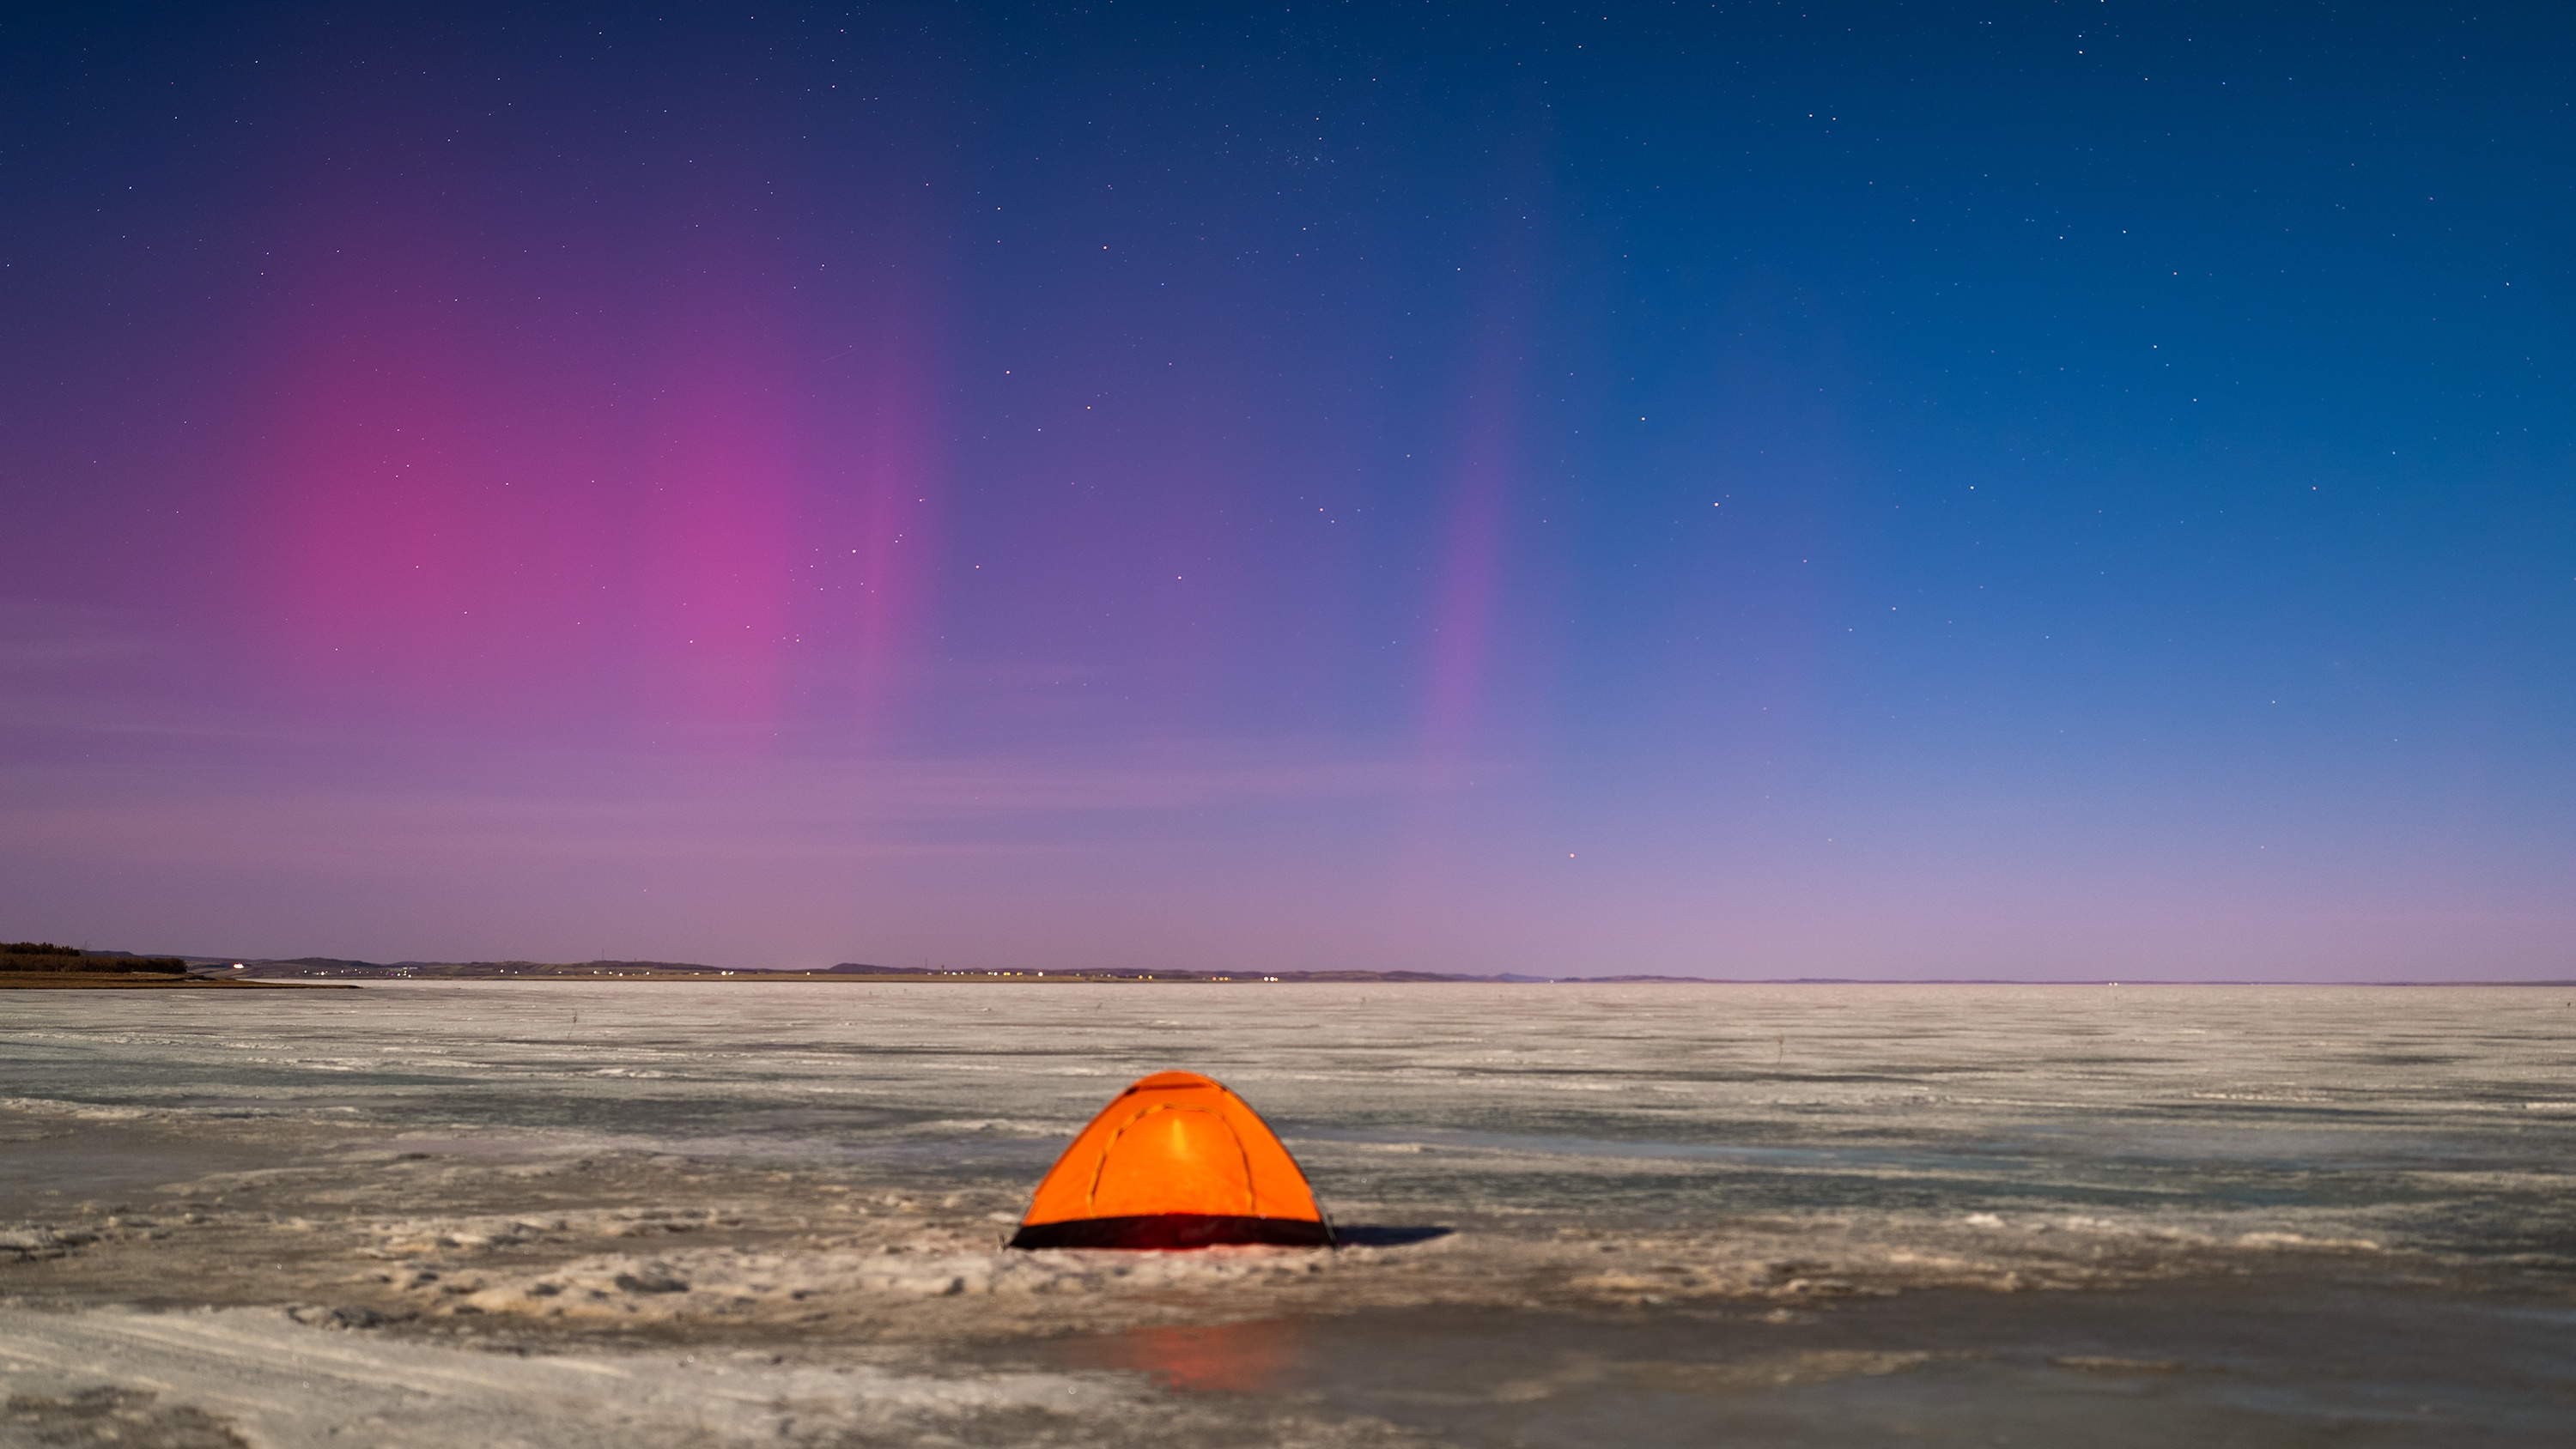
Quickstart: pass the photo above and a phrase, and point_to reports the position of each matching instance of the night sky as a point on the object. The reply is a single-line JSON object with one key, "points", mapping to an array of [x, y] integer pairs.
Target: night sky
{"points": [[2031, 490]]}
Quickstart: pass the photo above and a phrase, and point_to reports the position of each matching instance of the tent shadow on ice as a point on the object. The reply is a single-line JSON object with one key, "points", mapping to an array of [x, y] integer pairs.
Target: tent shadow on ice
{"points": [[1175, 1161]]}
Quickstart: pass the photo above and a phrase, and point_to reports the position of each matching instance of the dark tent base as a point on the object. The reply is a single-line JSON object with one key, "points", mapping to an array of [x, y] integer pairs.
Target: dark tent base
{"points": [[1174, 1230]]}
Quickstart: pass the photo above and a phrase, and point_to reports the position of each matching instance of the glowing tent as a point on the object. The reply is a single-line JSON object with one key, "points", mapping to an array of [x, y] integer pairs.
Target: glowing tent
{"points": [[1176, 1161]]}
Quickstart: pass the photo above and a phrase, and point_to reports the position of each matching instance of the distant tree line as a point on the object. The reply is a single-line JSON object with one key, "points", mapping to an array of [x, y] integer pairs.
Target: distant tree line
{"points": [[46, 956]]}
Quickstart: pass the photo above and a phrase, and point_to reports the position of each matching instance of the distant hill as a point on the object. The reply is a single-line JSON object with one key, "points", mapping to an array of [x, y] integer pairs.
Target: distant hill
{"points": [[47, 958], [25, 955]]}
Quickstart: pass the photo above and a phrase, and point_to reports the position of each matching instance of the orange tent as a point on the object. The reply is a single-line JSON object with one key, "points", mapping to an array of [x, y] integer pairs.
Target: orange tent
{"points": [[1176, 1161]]}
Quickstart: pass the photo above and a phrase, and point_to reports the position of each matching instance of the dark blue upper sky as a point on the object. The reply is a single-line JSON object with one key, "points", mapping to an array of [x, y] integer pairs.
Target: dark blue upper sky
{"points": [[2041, 490]]}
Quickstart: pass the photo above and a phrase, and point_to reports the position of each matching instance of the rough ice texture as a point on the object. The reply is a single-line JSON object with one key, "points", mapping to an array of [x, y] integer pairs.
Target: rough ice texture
{"points": [[257, 1377], [639, 1187]]}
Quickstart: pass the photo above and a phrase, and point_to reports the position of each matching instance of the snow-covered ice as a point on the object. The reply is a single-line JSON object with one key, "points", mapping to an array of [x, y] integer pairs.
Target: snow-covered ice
{"points": [[755, 1212]]}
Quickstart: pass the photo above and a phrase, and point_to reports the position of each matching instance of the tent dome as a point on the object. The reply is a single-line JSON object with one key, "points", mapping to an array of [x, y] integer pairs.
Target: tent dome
{"points": [[1175, 1161]]}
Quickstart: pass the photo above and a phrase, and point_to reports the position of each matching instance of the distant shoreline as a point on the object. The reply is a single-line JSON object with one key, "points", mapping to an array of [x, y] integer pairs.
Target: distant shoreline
{"points": [[317, 971], [118, 970], [49, 966], [150, 981]]}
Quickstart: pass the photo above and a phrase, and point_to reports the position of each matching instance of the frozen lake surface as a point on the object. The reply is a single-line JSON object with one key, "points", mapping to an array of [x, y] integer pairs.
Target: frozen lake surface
{"points": [[562, 1214]]}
